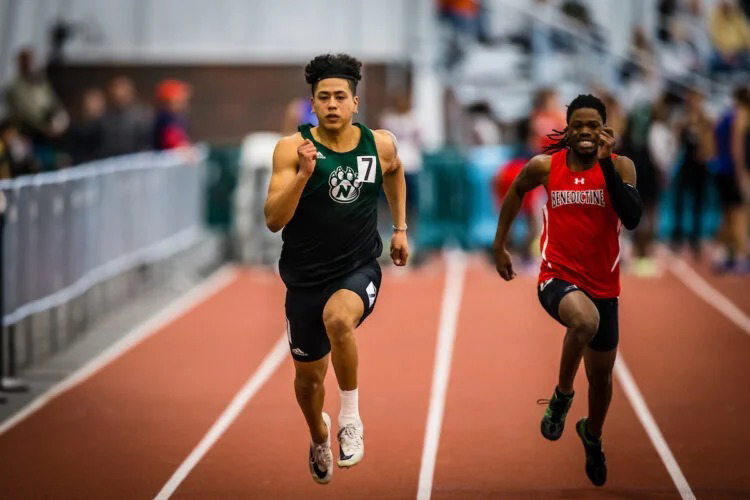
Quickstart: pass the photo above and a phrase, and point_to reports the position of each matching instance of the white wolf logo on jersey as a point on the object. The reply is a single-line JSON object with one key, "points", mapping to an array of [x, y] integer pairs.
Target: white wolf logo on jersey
{"points": [[345, 185]]}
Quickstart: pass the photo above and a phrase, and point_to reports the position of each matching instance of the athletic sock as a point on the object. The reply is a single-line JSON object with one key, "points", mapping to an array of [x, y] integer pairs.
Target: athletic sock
{"points": [[349, 413]]}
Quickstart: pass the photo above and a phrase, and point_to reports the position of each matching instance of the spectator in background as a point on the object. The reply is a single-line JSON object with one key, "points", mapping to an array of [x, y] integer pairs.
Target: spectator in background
{"points": [[635, 146], [642, 80], [85, 137], [35, 108], [731, 174], [466, 21], [666, 9], [546, 117], [16, 152], [170, 126], [741, 155], [693, 20], [741, 142], [505, 176], [652, 179], [463, 15], [483, 127], [662, 143], [578, 12], [126, 126], [545, 40], [640, 57], [730, 34], [615, 117], [695, 139], [298, 112], [402, 122], [679, 57]]}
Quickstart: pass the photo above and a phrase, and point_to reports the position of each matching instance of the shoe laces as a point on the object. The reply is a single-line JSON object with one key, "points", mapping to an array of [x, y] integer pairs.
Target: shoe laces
{"points": [[322, 456], [556, 408], [351, 436]]}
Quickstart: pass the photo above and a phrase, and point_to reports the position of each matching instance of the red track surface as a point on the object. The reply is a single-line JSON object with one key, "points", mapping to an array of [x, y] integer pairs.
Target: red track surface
{"points": [[123, 432]]}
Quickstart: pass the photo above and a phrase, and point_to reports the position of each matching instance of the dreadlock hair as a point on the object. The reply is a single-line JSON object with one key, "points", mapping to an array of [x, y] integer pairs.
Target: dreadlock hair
{"points": [[334, 66], [560, 137]]}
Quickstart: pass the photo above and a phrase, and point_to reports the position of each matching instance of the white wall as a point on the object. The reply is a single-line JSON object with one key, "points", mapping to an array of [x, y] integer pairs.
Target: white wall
{"points": [[216, 30]]}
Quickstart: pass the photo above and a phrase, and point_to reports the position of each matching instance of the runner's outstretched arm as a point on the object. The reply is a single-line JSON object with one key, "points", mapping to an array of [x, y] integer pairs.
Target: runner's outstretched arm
{"points": [[394, 186], [533, 174]]}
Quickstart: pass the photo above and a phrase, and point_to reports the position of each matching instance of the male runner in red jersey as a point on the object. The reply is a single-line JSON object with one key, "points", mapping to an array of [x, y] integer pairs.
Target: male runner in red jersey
{"points": [[590, 192]]}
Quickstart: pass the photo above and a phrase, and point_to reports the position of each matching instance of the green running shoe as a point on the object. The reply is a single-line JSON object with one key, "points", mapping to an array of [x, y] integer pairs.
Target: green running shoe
{"points": [[553, 421], [596, 464]]}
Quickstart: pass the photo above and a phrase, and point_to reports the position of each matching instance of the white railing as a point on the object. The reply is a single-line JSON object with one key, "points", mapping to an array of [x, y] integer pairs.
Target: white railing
{"points": [[66, 231]]}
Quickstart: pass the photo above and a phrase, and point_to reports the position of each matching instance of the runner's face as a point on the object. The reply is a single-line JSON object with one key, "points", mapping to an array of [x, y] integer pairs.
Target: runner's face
{"points": [[333, 103], [583, 131]]}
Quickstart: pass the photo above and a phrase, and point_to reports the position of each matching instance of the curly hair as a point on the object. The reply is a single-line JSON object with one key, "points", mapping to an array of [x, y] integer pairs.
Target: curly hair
{"points": [[560, 137], [334, 66]]}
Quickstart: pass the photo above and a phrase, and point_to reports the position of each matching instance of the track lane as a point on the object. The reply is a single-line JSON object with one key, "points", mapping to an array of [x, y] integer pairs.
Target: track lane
{"points": [[735, 287], [107, 437], [691, 363], [122, 432], [506, 356], [264, 454]]}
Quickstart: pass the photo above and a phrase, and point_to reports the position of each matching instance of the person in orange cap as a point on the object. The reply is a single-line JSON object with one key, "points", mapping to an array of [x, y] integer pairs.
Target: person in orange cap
{"points": [[170, 126]]}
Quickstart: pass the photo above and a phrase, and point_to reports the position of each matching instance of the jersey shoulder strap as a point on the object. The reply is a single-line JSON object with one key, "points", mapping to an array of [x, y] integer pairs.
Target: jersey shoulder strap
{"points": [[368, 137], [558, 160], [304, 129]]}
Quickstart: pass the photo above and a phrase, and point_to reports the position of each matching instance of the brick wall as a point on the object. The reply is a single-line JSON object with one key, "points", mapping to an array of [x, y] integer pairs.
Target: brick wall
{"points": [[228, 101]]}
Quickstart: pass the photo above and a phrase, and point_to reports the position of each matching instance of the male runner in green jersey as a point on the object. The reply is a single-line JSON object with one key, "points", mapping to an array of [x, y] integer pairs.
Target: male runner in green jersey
{"points": [[323, 192]]}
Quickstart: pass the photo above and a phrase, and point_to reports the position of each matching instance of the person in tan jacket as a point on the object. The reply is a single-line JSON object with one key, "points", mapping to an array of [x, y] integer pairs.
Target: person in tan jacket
{"points": [[730, 35]]}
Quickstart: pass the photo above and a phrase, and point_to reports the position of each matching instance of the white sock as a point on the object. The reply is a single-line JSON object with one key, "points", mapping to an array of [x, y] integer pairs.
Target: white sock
{"points": [[349, 413]]}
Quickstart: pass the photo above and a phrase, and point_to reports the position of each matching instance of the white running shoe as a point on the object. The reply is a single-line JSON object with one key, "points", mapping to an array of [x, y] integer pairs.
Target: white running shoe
{"points": [[351, 444], [321, 457]]}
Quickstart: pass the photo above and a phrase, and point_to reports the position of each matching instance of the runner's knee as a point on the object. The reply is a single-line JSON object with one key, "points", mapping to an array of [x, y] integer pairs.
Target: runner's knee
{"points": [[338, 326], [584, 325], [599, 378], [307, 384]]}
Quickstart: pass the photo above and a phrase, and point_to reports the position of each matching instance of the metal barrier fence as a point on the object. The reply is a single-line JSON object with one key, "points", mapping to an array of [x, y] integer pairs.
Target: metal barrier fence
{"points": [[69, 230]]}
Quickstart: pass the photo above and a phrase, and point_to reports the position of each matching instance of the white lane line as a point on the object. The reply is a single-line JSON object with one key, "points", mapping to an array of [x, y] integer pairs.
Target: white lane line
{"points": [[647, 420], [220, 279], [704, 290], [272, 361], [454, 282]]}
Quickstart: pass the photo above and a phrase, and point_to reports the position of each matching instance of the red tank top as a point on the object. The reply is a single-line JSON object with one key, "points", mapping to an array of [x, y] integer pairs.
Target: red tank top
{"points": [[580, 241]]}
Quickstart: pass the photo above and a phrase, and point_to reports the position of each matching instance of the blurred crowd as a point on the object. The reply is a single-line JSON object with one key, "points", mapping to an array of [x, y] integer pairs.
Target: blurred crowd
{"points": [[39, 134], [678, 102], [666, 100], [686, 154]]}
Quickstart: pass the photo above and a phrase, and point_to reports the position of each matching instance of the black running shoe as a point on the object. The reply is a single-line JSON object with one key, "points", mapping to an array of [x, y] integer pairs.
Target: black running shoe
{"points": [[596, 464], [553, 421]]}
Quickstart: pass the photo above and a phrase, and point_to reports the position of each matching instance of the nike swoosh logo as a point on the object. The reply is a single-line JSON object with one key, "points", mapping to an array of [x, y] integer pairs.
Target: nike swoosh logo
{"points": [[321, 474], [343, 456]]}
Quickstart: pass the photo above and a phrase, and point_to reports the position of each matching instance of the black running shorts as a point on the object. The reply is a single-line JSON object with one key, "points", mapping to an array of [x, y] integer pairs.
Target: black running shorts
{"points": [[551, 293], [306, 332]]}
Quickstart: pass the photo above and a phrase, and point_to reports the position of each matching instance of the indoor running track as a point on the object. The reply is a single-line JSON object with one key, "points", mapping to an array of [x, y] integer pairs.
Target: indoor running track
{"points": [[198, 402]]}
